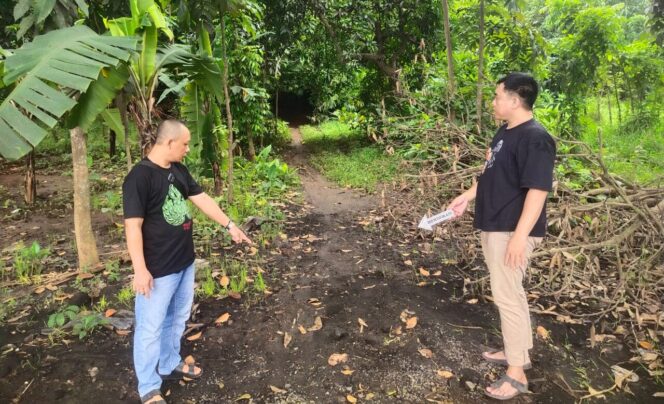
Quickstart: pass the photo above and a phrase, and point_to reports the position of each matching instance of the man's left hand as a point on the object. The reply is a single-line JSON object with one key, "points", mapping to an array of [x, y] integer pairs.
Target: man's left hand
{"points": [[515, 253], [238, 236]]}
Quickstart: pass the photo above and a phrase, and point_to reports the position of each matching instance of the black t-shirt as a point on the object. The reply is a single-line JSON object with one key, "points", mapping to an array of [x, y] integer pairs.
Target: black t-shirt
{"points": [[158, 195], [521, 158]]}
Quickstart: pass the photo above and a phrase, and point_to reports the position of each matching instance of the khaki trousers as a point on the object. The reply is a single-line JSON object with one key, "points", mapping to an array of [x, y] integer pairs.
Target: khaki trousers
{"points": [[509, 296]]}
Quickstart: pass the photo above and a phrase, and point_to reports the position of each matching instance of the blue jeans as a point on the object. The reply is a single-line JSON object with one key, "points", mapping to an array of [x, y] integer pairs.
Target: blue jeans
{"points": [[160, 323]]}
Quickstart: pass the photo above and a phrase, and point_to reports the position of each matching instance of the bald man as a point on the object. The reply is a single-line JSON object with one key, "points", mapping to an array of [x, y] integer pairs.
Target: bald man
{"points": [[158, 226]]}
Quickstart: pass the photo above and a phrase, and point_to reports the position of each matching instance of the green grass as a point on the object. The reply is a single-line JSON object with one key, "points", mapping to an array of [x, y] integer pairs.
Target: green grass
{"points": [[347, 157], [633, 149]]}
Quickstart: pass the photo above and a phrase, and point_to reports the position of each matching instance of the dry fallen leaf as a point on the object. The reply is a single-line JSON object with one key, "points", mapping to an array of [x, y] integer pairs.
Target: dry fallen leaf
{"points": [[302, 329], [472, 301], [223, 318], [445, 374], [40, 290], [424, 272], [122, 333], [347, 371], [235, 295], [362, 324], [51, 287], [224, 281], [351, 399], [437, 273], [646, 345], [110, 312], [408, 262], [427, 353], [318, 324], [194, 337], [287, 339], [337, 358], [411, 323], [189, 360], [542, 332], [423, 283], [369, 396], [277, 390], [245, 396]]}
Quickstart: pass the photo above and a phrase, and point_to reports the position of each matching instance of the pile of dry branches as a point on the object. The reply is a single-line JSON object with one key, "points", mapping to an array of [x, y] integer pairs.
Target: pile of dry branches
{"points": [[603, 260]]}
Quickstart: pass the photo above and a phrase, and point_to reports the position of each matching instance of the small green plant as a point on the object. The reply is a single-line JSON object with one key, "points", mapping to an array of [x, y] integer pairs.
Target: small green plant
{"points": [[259, 283], [102, 304], [125, 295], [208, 287], [87, 323], [113, 270], [60, 318], [28, 261], [239, 281]]}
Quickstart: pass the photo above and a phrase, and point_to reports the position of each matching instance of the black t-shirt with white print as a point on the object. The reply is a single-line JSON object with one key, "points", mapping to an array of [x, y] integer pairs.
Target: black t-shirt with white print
{"points": [[521, 158], [158, 195]]}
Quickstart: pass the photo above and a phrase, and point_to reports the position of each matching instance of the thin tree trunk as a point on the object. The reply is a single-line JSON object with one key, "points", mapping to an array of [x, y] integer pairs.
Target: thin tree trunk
{"points": [[608, 99], [122, 107], [480, 70], [216, 170], [451, 85], [30, 179], [250, 141], [229, 115], [599, 110], [111, 143], [615, 89], [85, 240]]}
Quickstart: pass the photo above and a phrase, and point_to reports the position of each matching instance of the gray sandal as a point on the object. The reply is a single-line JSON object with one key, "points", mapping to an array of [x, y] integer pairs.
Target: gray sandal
{"points": [[152, 394], [520, 388], [486, 357], [179, 373]]}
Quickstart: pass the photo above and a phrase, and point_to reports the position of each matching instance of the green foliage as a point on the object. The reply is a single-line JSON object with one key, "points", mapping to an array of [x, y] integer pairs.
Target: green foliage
{"points": [[32, 69], [28, 261], [125, 296], [346, 157], [108, 202], [82, 322], [61, 317]]}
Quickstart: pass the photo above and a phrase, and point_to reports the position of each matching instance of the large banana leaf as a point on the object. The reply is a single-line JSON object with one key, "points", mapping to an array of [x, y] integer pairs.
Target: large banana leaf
{"points": [[53, 69]]}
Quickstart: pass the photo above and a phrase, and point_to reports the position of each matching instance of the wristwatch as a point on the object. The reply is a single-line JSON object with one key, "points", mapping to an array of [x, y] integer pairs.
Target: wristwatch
{"points": [[230, 225]]}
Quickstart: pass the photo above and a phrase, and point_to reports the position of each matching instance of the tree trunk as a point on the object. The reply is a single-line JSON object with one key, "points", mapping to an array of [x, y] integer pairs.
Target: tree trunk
{"points": [[85, 240], [111, 143], [250, 140], [216, 170], [598, 116], [608, 99], [480, 71], [30, 179], [615, 89], [451, 85], [229, 115], [122, 107]]}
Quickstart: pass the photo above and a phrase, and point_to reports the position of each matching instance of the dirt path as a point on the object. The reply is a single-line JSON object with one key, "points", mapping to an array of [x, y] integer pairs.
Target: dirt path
{"points": [[333, 266]]}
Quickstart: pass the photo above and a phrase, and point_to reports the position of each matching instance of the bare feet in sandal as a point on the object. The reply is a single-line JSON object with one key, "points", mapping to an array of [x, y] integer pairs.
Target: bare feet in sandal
{"points": [[508, 388]]}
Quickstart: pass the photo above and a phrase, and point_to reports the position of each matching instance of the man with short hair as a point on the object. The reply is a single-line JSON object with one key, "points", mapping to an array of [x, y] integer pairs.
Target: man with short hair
{"points": [[511, 214], [158, 227]]}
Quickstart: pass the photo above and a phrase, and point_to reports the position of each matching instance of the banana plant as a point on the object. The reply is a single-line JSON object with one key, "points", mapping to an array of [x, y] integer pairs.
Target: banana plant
{"points": [[70, 70], [48, 76]]}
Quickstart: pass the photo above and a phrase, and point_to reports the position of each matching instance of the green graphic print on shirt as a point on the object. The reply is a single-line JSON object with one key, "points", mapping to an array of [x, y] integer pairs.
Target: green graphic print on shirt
{"points": [[175, 208]]}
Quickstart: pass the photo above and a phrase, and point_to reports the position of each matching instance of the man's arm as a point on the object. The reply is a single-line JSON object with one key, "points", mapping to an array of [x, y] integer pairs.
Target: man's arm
{"points": [[515, 255], [143, 281], [460, 203], [208, 206]]}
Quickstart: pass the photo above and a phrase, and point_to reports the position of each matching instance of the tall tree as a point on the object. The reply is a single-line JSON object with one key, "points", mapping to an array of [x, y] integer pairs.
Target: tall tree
{"points": [[451, 85], [480, 69]]}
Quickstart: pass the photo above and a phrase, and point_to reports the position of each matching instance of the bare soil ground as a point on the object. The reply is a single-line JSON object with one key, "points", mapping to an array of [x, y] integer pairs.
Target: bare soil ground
{"points": [[332, 264]]}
